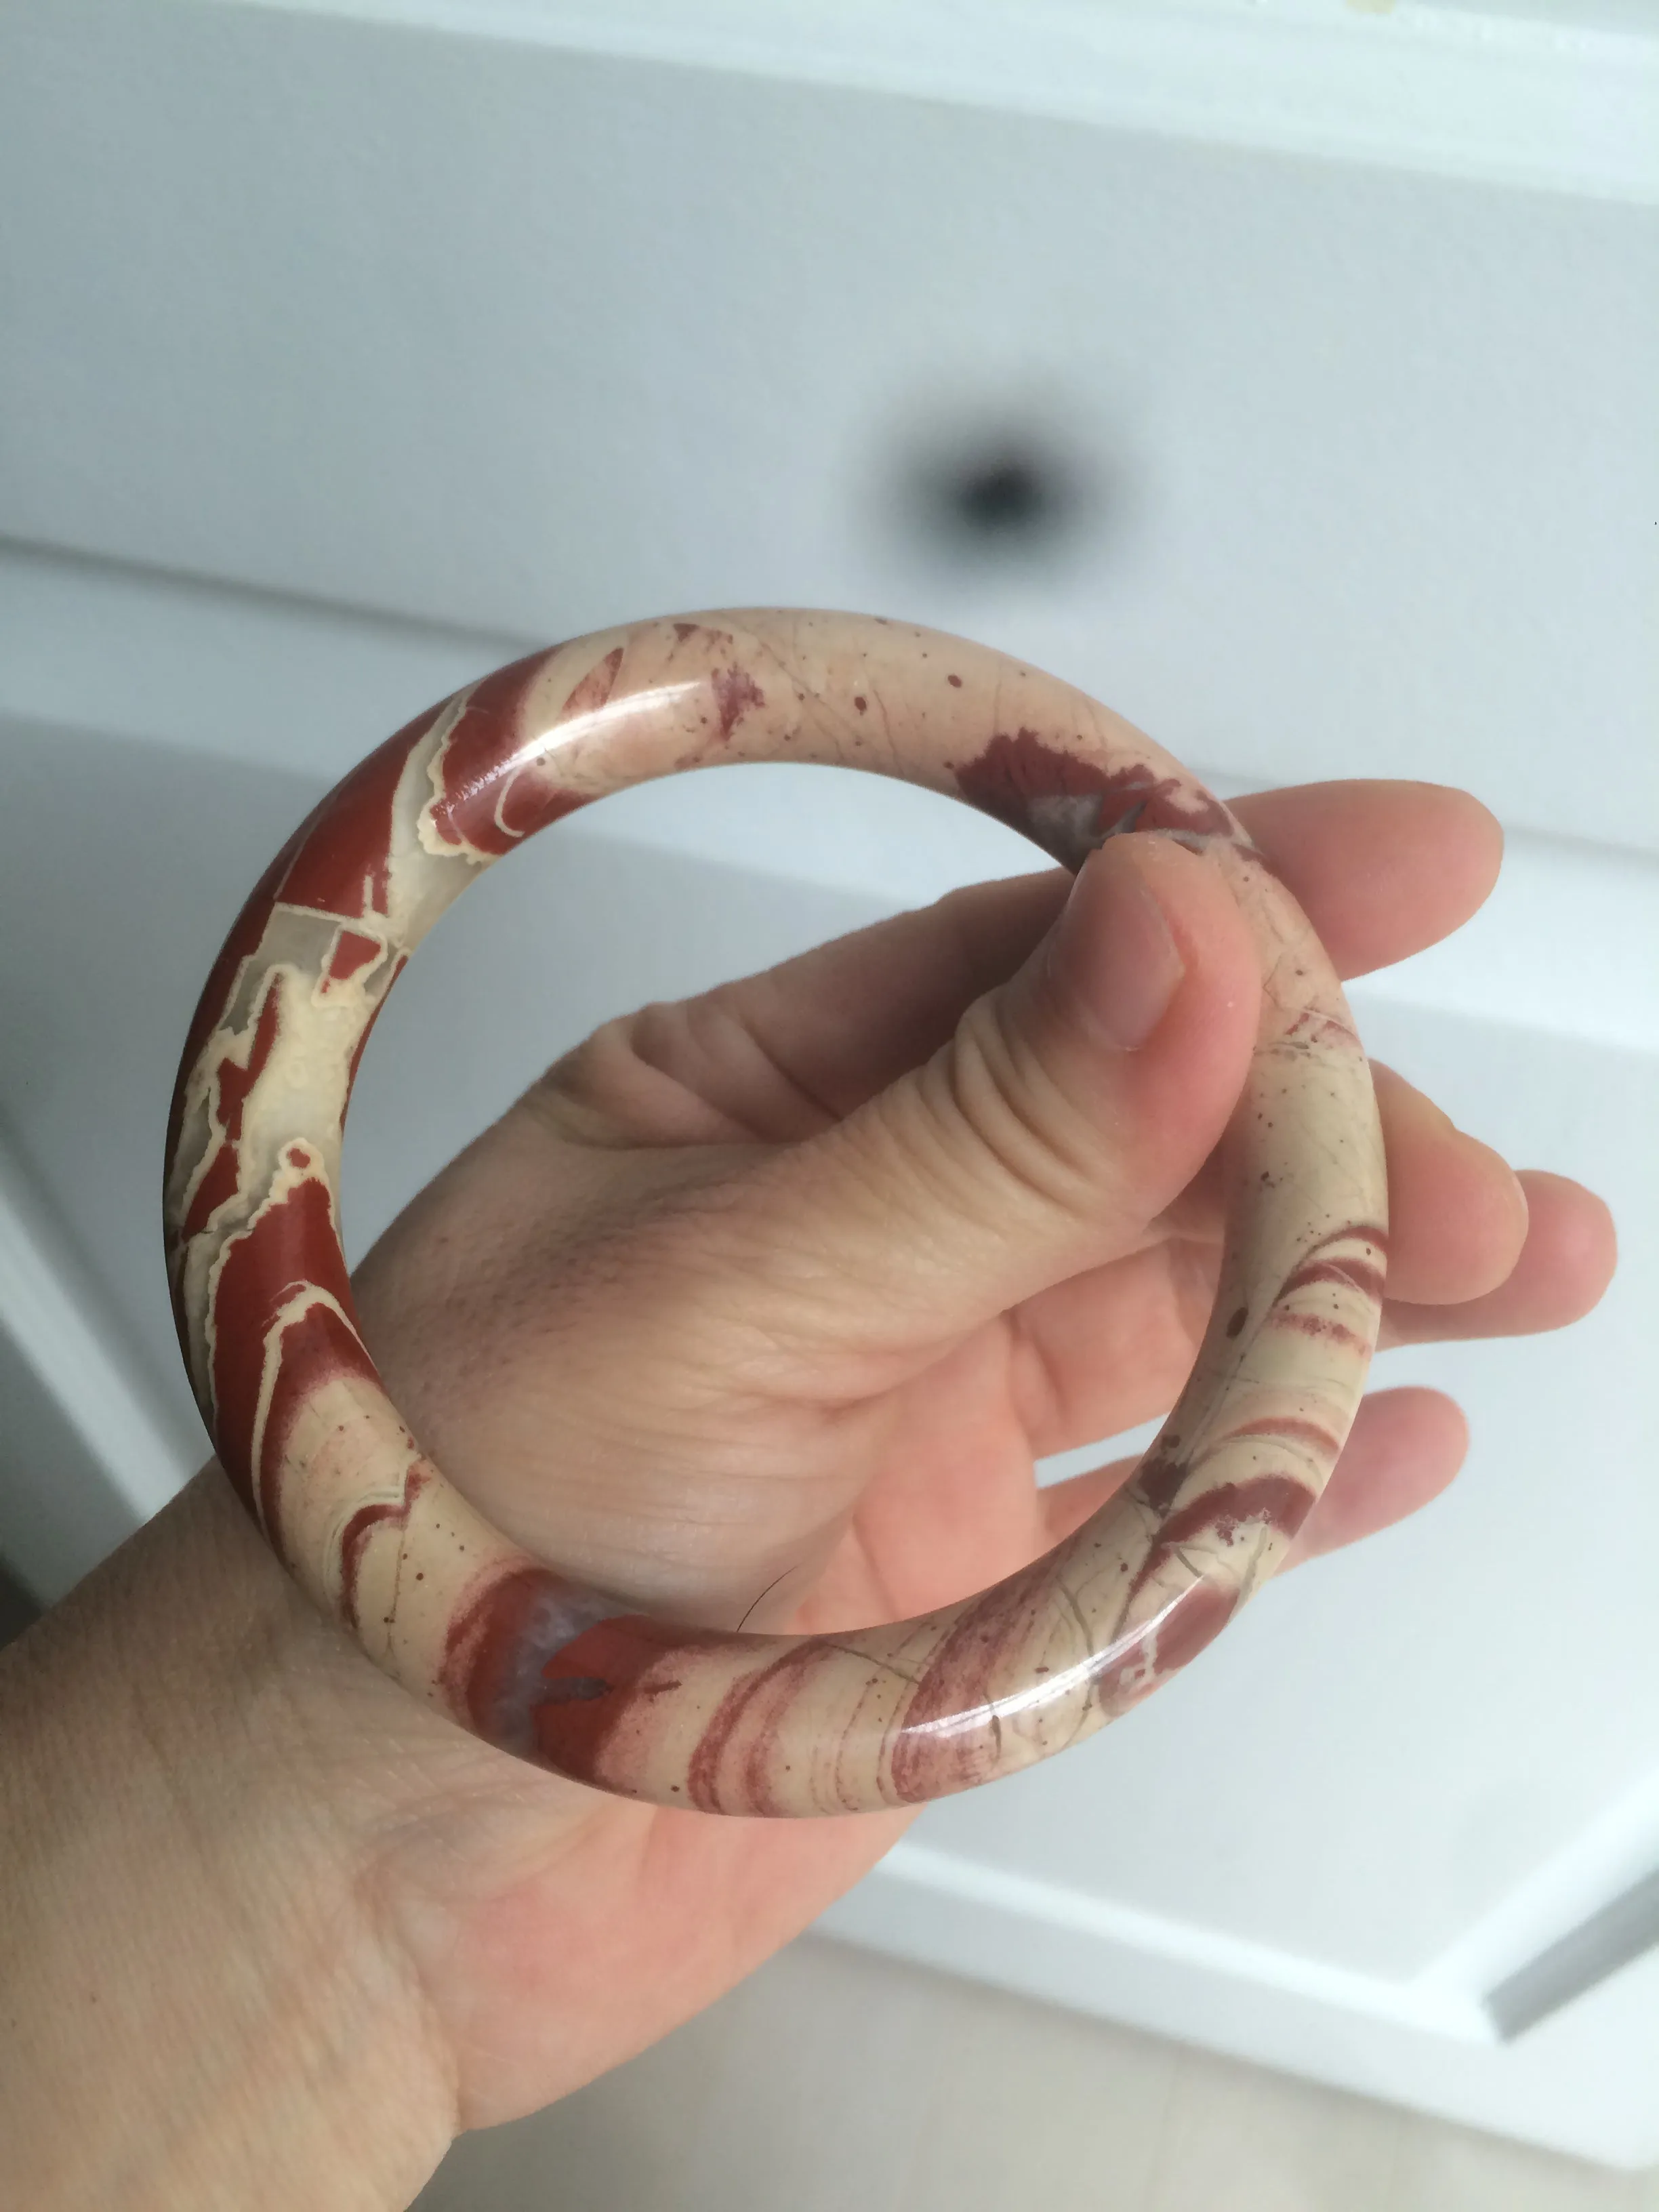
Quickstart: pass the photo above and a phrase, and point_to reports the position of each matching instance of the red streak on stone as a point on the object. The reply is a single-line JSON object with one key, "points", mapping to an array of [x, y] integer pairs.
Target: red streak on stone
{"points": [[483, 1641], [735, 692], [241, 942], [1311, 1020], [595, 688], [231, 1086], [350, 953], [483, 772], [773, 1688], [342, 854], [362, 1526], [1158, 1478], [335, 863], [1366, 1232], [290, 1245], [620, 1653], [1278, 1500], [960, 1677], [1287, 1424], [1013, 770], [1317, 1325], [1196, 1618], [594, 1683], [572, 1730], [1352, 1274]]}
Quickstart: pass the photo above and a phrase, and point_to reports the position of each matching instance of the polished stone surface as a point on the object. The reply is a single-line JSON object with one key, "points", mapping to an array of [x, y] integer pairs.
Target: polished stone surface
{"points": [[569, 1677]]}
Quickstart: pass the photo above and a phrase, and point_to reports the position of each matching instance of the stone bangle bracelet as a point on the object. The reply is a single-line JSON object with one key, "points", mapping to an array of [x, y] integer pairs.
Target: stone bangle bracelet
{"points": [[570, 1677]]}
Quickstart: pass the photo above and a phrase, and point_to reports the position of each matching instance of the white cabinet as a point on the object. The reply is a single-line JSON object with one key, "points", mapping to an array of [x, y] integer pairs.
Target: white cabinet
{"points": [[347, 351]]}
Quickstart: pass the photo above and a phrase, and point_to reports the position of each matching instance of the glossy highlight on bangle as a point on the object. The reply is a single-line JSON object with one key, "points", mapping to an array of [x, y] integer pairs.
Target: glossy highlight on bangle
{"points": [[571, 1678]]}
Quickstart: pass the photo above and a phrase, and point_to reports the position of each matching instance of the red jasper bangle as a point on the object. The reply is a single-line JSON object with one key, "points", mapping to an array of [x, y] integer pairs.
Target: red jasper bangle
{"points": [[563, 1674]]}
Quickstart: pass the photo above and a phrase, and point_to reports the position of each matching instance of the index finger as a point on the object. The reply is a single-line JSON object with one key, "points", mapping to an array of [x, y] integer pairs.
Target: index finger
{"points": [[1381, 869]]}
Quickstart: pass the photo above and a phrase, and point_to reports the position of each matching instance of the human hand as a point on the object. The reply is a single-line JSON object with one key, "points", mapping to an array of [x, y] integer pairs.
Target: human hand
{"points": [[759, 1308]]}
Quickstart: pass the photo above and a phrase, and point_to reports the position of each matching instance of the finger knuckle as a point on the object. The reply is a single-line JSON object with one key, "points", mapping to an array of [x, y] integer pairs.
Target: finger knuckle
{"points": [[994, 1086]]}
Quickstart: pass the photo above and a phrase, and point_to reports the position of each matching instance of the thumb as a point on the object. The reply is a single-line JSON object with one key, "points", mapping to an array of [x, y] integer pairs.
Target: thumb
{"points": [[1071, 1107]]}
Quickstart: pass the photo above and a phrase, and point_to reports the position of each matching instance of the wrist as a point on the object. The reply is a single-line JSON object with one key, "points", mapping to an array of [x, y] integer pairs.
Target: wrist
{"points": [[207, 1998]]}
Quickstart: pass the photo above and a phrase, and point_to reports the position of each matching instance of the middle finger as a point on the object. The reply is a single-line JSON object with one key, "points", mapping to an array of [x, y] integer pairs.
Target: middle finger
{"points": [[1114, 1345], [1382, 869]]}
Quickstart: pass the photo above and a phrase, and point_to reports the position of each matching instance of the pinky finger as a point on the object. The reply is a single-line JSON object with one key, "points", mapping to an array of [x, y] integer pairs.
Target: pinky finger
{"points": [[1404, 1448]]}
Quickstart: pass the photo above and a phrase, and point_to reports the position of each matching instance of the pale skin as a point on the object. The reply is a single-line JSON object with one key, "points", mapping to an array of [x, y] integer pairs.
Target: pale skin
{"points": [[760, 1306]]}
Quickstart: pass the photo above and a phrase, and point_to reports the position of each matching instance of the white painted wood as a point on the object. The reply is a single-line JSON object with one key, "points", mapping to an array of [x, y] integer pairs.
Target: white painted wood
{"points": [[1367, 458], [950, 1880], [1588, 1955], [1608, 1858], [1564, 946], [242, 676], [62, 1512], [1581, 2083], [1565, 99]]}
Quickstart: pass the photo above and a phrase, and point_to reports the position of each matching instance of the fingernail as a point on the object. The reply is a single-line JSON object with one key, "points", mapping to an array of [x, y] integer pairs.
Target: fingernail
{"points": [[1111, 953], [1517, 1190], [1519, 1200]]}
